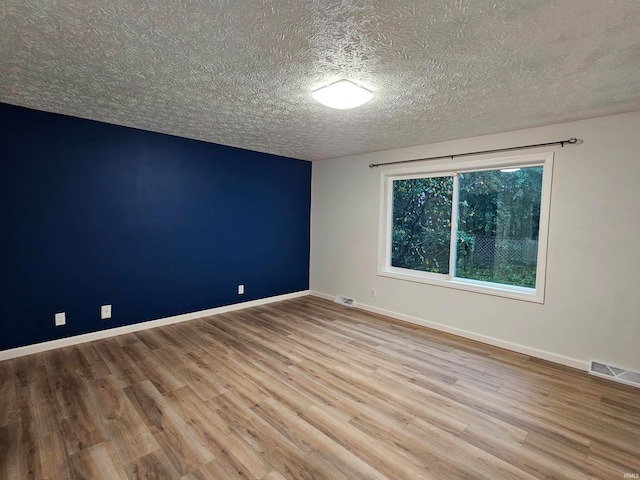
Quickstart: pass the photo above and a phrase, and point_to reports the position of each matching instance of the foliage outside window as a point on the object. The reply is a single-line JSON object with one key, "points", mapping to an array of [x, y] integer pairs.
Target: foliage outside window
{"points": [[481, 228]]}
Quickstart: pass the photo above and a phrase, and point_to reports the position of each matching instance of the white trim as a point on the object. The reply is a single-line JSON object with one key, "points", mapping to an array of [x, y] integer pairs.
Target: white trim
{"points": [[496, 342], [387, 177], [326, 296], [486, 288], [137, 327], [453, 240]]}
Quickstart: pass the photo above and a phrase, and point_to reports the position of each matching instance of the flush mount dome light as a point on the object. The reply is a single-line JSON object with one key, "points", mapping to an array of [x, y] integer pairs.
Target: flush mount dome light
{"points": [[342, 95]]}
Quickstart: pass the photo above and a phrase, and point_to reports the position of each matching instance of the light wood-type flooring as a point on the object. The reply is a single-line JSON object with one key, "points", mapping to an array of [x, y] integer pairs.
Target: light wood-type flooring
{"points": [[306, 389]]}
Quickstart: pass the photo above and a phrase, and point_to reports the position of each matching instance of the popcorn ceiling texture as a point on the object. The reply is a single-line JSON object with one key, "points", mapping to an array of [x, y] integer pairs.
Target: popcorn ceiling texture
{"points": [[241, 72]]}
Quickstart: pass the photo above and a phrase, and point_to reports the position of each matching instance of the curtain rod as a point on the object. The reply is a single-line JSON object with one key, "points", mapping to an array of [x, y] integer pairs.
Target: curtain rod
{"points": [[570, 141]]}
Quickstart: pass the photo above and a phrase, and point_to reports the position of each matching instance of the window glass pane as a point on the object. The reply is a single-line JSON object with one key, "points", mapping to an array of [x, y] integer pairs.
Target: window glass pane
{"points": [[421, 230], [498, 224]]}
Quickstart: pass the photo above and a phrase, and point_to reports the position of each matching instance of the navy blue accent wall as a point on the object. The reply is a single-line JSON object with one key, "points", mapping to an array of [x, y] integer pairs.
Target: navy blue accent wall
{"points": [[156, 225]]}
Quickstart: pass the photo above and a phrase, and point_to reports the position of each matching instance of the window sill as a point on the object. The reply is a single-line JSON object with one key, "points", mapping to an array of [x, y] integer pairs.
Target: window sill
{"points": [[495, 289]]}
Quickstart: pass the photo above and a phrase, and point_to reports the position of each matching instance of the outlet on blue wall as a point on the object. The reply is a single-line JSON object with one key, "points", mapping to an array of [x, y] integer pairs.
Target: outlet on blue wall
{"points": [[155, 225]]}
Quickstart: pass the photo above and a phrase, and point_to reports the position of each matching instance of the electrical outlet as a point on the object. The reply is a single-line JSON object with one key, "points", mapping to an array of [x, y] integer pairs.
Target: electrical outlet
{"points": [[105, 312], [373, 292], [61, 319], [240, 289]]}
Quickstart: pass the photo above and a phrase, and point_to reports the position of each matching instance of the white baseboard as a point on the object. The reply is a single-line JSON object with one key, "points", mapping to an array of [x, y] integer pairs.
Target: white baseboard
{"points": [[326, 296], [136, 327], [496, 342], [88, 337]]}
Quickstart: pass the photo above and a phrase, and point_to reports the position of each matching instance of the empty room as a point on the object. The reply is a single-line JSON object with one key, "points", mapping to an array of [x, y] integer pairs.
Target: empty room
{"points": [[332, 240]]}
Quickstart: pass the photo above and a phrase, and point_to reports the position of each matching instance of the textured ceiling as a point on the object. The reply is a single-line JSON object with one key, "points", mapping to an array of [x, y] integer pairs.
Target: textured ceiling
{"points": [[241, 72]]}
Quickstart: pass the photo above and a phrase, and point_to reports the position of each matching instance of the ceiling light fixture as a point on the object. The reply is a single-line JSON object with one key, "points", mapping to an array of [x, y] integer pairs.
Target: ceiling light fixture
{"points": [[342, 95], [509, 170]]}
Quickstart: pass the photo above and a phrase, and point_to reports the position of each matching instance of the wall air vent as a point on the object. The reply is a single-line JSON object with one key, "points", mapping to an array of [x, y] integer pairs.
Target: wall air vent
{"points": [[615, 373], [346, 301]]}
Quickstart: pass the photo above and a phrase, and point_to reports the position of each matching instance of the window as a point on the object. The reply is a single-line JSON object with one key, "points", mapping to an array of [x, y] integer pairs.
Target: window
{"points": [[480, 225]]}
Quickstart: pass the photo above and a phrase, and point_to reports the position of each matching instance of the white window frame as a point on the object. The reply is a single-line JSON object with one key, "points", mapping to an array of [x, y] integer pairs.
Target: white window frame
{"points": [[452, 168]]}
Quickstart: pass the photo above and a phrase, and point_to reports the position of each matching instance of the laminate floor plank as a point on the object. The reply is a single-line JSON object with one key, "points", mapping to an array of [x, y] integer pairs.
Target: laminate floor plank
{"points": [[78, 414], [226, 444], [550, 455], [53, 458], [98, 462], [507, 411], [9, 405], [390, 414], [394, 463], [588, 426], [537, 462], [477, 460], [206, 339], [278, 447], [164, 377], [180, 443], [151, 339], [441, 412], [120, 422], [624, 459], [97, 368], [336, 460], [307, 389], [119, 362], [199, 377], [275, 475], [153, 465], [10, 456]]}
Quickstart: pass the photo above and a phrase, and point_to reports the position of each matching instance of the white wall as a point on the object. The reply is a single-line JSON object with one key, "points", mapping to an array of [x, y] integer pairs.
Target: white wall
{"points": [[592, 304]]}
